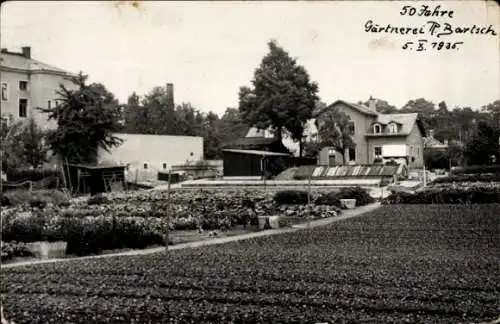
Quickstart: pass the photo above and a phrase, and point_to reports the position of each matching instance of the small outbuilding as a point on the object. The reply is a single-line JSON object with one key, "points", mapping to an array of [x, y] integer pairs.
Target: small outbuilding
{"points": [[251, 163], [95, 178]]}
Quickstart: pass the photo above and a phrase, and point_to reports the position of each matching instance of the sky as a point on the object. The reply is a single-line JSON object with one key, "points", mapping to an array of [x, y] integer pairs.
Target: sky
{"points": [[208, 50]]}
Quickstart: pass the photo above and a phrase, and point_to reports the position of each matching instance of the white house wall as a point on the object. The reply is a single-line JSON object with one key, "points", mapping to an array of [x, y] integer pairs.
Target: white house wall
{"points": [[155, 150]]}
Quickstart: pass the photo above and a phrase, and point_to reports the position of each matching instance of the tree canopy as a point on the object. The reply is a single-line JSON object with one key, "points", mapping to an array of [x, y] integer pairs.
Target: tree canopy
{"points": [[87, 117], [334, 131], [282, 97]]}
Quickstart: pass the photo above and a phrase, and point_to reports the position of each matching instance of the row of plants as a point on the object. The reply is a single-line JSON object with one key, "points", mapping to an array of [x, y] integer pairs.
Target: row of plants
{"points": [[35, 198], [477, 194], [476, 169], [89, 235], [138, 219], [468, 178], [402, 264]]}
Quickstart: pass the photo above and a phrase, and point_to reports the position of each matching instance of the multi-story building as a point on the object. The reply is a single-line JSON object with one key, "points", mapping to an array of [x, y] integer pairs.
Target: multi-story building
{"points": [[28, 84], [377, 137]]}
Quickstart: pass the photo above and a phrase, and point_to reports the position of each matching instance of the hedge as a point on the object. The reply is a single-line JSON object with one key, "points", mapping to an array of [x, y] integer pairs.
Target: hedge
{"points": [[475, 169], [468, 178], [18, 175], [476, 195]]}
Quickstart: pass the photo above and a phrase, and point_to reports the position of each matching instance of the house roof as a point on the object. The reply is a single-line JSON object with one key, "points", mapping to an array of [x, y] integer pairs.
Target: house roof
{"points": [[248, 141], [360, 108], [19, 62], [405, 120], [256, 152]]}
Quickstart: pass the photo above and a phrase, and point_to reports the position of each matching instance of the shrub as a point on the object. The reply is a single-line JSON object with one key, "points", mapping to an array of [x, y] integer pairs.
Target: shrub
{"points": [[18, 175], [474, 195], [361, 195], [291, 197], [468, 178], [36, 198], [475, 169], [11, 250], [331, 198], [85, 238], [5, 200], [98, 200]]}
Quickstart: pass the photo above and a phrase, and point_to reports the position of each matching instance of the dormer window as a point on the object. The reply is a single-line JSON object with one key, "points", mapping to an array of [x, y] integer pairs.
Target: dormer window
{"points": [[393, 128], [377, 129]]}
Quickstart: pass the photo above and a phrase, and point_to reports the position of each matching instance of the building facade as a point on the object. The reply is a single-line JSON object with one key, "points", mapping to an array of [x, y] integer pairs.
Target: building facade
{"points": [[377, 137], [145, 155], [27, 84]]}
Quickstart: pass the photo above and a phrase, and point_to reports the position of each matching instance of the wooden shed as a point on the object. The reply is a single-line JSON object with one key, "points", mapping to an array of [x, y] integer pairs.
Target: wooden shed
{"points": [[95, 178], [248, 163]]}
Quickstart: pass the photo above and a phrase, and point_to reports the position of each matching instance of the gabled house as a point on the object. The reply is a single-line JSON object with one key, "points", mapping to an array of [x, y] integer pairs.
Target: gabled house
{"points": [[27, 84], [378, 137]]}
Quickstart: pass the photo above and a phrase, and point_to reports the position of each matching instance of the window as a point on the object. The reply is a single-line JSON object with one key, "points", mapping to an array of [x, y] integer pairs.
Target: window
{"points": [[378, 151], [393, 128], [23, 107], [350, 128], [23, 85], [145, 166], [164, 166], [377, 129], [352, 154], [5, 95], [48, 104]]}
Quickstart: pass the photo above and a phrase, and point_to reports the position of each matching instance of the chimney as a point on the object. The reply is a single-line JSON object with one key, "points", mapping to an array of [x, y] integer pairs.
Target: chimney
{"points": [[170, 95], [372, 104], [431, 133], [26, 50]]}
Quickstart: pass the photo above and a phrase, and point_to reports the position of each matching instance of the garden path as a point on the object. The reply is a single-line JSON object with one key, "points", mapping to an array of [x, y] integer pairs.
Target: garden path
{"points": [[346, 214]]}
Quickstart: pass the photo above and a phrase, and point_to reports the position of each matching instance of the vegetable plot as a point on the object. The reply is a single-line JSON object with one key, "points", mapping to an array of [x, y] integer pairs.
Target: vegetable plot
{"points": [[400, 264]]}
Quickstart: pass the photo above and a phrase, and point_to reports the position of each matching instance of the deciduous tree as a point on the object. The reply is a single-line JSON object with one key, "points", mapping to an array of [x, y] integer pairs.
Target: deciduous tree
{"points": [[334, 131], [281, 97]]}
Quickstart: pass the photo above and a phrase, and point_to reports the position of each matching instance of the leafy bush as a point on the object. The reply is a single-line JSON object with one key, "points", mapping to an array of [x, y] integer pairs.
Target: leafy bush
{"points": [[36, 198], [98, 200], [18, 175], [333, 198], [11, 250], [463, 195], [475, 169], [5, 200], [291, 197], [85, 238], [468, 178]]}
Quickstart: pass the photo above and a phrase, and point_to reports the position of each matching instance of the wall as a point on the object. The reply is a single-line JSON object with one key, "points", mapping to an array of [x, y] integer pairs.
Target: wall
{"points": [[361, 124], [155, 150], [416, 143], [42, 87]]}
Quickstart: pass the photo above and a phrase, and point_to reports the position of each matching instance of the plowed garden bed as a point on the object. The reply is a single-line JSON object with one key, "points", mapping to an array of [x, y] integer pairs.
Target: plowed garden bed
{"points": [[400, 264]]}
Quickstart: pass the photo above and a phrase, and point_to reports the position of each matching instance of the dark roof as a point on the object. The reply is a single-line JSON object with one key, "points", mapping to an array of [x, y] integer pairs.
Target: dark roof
{"points": [[20, 62], [257, 152], [97, 166], [250, 141]]}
